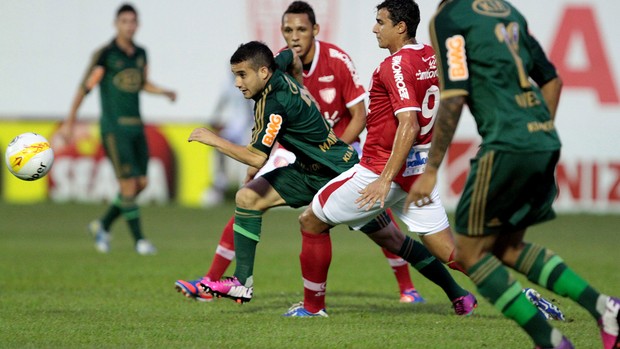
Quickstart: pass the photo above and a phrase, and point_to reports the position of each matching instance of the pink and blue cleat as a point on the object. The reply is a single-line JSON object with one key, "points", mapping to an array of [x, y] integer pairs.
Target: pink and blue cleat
{"points": [[411, 295], [191, 289]]}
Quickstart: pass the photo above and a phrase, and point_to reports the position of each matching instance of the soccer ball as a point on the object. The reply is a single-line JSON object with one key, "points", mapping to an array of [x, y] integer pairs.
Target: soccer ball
{"points": [[29, 156]]}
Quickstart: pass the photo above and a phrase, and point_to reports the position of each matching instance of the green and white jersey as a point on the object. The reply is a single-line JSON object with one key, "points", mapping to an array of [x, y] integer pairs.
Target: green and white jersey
{"points": [[286, 113], [485, 52], [120, 86]]}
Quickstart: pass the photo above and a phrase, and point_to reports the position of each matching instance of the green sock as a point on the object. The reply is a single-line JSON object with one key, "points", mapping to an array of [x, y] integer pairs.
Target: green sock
{"points": [[498, 287], [247, 229], [131, 213], [543, 267], [112, 213], [420, 258]]}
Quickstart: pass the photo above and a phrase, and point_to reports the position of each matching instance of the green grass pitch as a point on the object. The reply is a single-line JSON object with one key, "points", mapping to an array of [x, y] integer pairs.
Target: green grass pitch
{"points": [[56, 291]]}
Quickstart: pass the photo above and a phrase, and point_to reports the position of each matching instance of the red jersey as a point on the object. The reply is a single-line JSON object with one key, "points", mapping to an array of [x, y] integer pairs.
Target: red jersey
{"points": [[333, 82], [404, 81]]}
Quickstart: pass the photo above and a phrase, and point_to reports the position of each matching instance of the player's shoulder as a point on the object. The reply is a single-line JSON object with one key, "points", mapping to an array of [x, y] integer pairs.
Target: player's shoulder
{"points": [[333, 52], [140, 50], [104, 48]]}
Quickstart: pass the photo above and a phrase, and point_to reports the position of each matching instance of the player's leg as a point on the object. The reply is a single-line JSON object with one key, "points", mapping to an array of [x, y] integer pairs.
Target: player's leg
{"points": [[543, 266], [400, 267], [383, 233], [225, 250], [315, 256], [482, 219]]}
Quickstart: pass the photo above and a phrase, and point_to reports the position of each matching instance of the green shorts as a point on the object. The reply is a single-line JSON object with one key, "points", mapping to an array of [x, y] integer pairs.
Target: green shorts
{"points": [[128, 151], [506, 192], [297, 186]]}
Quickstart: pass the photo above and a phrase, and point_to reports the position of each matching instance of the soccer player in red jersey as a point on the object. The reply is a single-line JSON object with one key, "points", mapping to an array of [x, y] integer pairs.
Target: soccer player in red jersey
{"points": [[404, 97]]}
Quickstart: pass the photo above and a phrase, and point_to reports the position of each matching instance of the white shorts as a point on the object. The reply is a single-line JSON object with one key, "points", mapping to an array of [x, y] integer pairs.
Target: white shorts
{"points": [[335, 204]]}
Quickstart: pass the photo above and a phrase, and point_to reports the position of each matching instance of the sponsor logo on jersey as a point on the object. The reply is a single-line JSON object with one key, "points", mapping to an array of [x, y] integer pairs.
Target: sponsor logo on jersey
{"points": [[348, 63], [431, 72], [273, 127], [397, 70], [328, 94], [493, 8], [457, 58], [326, 78]]}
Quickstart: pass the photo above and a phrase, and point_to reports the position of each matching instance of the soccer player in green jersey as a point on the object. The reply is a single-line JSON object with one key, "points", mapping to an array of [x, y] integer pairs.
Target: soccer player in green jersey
{"points": [[489, 61], [121, 71], [285, 112]]}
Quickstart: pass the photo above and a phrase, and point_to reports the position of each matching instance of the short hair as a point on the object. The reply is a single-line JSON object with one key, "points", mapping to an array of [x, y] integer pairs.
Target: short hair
{"points": [[403, 11], [256, 53], [126, 8], [301, 7]]}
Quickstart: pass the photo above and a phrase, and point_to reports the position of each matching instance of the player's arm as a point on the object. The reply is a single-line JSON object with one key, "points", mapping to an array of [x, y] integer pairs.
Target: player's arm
{"points": [[551, 93], [93, 77], [357, 123], [154, 89], [448, 117], [406, 132], [543, 72], [235, 151]]}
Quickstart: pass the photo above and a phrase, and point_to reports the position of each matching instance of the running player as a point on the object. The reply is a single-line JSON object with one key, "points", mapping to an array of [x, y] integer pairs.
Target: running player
{"points": [[403, 102], [489, 60]]}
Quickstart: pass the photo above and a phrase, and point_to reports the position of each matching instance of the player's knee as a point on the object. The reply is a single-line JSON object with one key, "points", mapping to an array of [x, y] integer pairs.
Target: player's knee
{"points": [[247, 199], [309, 222]]}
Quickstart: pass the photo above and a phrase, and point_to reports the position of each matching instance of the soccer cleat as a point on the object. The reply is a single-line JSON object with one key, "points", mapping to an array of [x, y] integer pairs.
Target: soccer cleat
{"points": [[465, 305], [145, 247], [191, 289], [609, 324], [411, 295], [229, 287], [564, 344], [102, 237], [298, 310], [548, 309]]}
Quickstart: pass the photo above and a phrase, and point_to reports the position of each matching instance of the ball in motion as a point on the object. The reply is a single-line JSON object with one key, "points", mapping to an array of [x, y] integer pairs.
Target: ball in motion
{"points": [[29, 156]]}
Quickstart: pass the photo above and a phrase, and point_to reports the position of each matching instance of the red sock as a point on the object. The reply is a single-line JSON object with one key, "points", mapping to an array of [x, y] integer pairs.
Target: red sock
{"points": [[224, 253], [401, 270], [399, 265], [315, 257], [452, 264]]}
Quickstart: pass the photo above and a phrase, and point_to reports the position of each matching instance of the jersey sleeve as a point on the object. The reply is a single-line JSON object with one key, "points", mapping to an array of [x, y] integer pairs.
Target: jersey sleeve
{"points": [[448, 40], [283, 59], [400, 84], [542, 70], [351, 87], [98, 59], [268, 124]]}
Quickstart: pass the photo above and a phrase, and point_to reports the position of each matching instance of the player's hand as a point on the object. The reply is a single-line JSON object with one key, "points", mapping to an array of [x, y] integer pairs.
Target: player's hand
{"points": [[420, 193], [66, 132], [375, 191], [172, 96], [250, 174], [202, 135]]}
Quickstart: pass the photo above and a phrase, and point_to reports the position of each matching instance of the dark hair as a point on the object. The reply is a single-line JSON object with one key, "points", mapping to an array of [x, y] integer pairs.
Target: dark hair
{"points": [[301, 7], [256, 53], [403, 11], [126, 8]]}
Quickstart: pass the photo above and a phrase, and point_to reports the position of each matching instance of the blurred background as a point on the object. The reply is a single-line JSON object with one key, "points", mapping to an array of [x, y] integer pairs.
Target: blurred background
{"points": [[47, 45]]}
